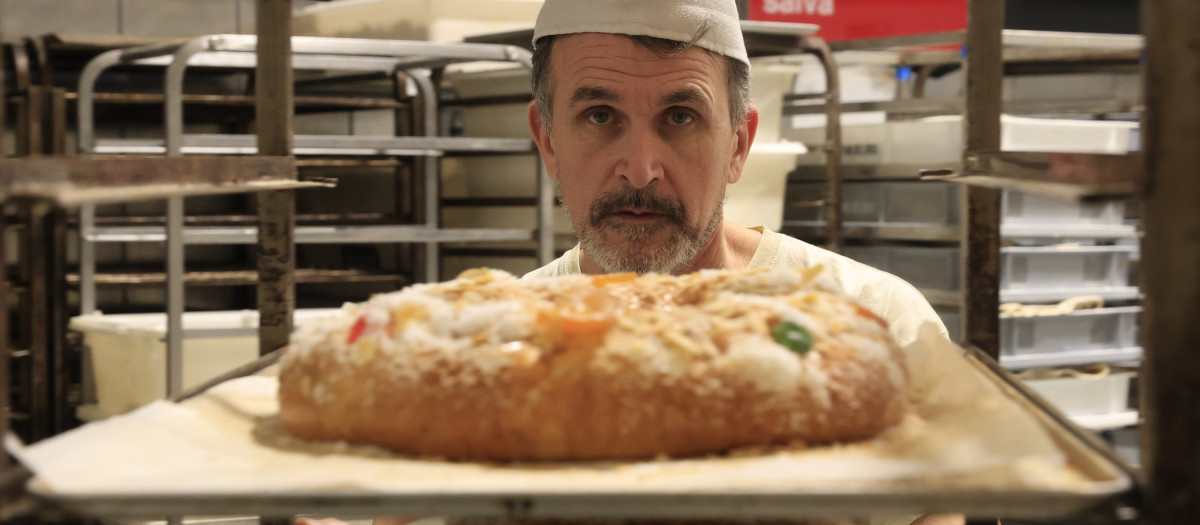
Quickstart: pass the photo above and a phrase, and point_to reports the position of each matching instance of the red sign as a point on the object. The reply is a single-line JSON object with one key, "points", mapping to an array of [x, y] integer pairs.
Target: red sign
{"points": [[854, 19]]}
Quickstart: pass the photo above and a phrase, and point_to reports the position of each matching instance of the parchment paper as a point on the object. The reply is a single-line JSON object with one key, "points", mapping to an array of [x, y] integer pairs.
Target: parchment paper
{"points": [[963, 433]]}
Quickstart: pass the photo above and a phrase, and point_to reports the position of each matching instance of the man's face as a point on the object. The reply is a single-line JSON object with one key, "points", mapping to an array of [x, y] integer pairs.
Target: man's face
{"points": [[642, 147]]}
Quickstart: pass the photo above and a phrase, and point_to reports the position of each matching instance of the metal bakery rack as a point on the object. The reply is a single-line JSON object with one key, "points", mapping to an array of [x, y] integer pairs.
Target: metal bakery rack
{"points": [[1165, 492]]}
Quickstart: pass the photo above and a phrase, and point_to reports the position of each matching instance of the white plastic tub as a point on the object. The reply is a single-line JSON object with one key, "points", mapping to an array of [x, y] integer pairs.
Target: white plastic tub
{"points": [[1086, 396], [1083, 330], [1028, 208], [128, 354]]}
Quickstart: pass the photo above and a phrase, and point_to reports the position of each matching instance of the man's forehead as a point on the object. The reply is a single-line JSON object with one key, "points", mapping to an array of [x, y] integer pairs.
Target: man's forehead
{"points": [[591, 58]]}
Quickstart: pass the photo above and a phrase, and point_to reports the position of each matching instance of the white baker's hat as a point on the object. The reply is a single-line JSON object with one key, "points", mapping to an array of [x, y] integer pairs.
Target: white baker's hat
{"points": [[671, 19]]}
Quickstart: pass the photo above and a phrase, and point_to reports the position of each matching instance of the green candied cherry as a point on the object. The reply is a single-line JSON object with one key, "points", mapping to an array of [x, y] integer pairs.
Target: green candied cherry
{"points": [[793, 337]]}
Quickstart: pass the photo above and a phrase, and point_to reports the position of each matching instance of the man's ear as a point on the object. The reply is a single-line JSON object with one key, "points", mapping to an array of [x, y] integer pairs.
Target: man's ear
{"points": [[745, 137], [541, 136]]}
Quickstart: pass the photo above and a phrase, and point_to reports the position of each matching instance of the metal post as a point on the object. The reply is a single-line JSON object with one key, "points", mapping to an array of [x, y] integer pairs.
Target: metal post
{"points": [[5, 352], [833, 143], [981, 206], [431, 170], [175, 295], [3, 103], [276, 210], [36, 244], [87, 259], [1170, 378], [176, 288]]}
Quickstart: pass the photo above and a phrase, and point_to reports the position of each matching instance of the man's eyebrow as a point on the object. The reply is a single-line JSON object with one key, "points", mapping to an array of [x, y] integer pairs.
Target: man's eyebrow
{"points": [[586, 94], [686, 95]]}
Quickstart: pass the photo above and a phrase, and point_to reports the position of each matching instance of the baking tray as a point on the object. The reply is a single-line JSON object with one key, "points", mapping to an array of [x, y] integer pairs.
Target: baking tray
{"points": [[1109, 480]]}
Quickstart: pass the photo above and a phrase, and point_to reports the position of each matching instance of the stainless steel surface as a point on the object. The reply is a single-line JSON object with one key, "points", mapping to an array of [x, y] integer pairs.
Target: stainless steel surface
{"points": [[980, 207], [315, 234]]}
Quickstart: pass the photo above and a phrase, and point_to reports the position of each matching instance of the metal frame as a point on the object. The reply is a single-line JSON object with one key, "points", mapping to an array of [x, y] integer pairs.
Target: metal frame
{"points": [[236, 51], [1171, 252]]}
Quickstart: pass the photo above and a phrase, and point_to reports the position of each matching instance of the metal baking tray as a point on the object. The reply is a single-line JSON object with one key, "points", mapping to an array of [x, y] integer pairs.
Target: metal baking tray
{"points": [[1113, 480]]}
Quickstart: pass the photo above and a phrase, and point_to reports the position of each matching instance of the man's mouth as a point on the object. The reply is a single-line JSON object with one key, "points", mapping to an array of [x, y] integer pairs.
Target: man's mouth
{"points": [[638, 215]]}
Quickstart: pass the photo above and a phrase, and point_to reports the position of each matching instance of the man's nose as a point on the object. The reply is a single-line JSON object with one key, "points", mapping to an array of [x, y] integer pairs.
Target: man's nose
{"points": [[642, 152]]}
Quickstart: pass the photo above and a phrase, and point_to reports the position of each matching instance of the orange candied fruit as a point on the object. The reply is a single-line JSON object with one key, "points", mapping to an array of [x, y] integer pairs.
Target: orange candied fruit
{"points": [[613, 278]]}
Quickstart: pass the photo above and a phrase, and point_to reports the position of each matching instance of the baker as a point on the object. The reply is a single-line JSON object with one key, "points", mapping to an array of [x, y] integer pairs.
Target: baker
{"points": [[642, 114]]}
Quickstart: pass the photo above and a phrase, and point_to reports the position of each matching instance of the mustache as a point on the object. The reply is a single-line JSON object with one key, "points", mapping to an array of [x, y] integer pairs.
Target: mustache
{"points": [[643, 198]]}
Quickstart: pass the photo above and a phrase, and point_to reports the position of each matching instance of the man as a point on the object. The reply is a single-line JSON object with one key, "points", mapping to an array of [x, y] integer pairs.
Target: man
{"points": [[642, 116]]}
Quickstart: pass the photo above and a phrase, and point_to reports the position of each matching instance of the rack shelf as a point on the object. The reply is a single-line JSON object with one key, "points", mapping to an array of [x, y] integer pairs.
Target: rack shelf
{"points": [[334, 234], [1071, 358], [237, 277], [321, 145]]}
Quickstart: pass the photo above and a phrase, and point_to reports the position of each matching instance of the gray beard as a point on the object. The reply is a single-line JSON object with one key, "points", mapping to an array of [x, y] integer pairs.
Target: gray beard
{"points": [[636, 254]]}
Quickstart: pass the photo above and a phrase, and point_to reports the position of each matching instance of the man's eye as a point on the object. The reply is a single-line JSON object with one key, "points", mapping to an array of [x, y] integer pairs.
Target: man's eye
{"points": [[599, 117], [680, 118]]}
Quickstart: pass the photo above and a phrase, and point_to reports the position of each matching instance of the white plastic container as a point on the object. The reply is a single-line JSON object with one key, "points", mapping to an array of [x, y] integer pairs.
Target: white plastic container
{"points": [[1083, 330], [129, 358], [1028, 208], [1086, 396]]}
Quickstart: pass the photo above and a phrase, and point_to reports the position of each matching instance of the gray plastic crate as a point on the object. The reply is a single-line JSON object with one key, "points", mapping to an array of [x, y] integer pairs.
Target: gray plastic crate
{"points": [[1065, 267], [1099, 329], [924, 268], [1073, 270], [905, 203]]}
